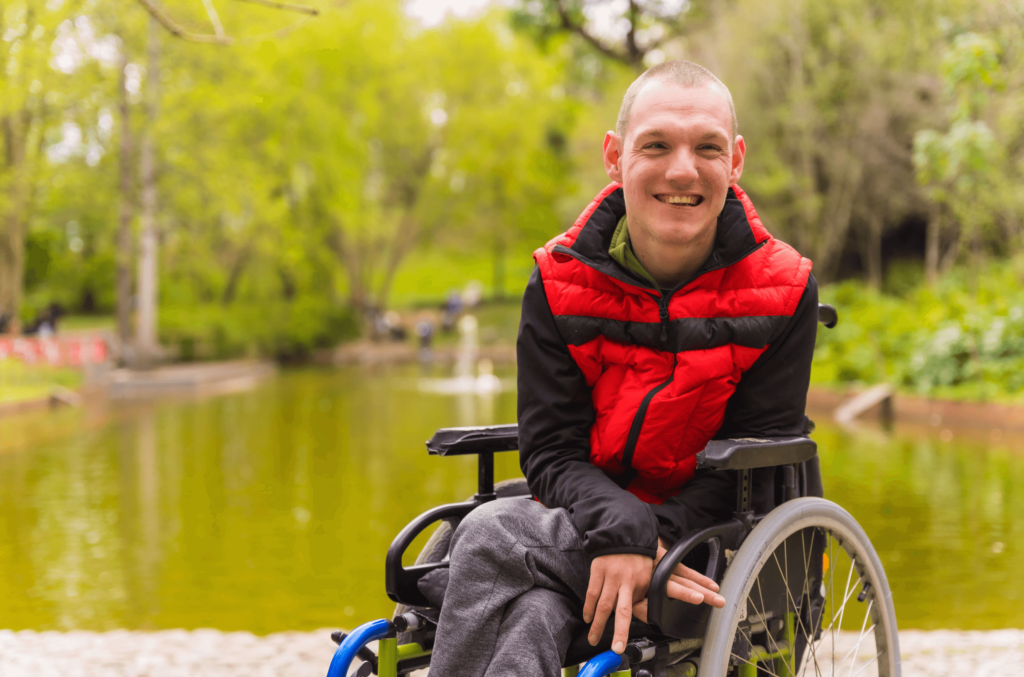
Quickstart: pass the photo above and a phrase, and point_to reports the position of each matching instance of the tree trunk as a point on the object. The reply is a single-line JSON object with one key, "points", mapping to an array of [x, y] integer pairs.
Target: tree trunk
{"points": [[404, 240], [146, 341], [873, 249], [13, 218], [952, 251], [235, 276], [931, 247], [837, 214], [124, 232], [344, 252]]}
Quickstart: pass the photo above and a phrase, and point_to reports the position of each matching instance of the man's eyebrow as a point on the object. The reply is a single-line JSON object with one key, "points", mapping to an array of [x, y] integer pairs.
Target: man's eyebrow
{"points": [[650, 132], [659, 133]]}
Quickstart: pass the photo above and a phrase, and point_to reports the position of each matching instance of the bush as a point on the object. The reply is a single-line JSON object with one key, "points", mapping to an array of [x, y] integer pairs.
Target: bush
{"points": [[281, 330], [960, 338]]}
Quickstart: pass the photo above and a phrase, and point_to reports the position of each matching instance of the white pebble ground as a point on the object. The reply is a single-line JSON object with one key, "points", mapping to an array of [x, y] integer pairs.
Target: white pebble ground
{"points": [[211, 653]]}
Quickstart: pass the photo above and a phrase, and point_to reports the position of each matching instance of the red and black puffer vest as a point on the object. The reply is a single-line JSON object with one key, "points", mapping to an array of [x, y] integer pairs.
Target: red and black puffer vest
{"points": [[662, 366]]}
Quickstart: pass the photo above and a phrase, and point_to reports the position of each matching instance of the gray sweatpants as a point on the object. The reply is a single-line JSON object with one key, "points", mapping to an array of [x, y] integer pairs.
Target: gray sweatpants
{"points": [[515, 593]]}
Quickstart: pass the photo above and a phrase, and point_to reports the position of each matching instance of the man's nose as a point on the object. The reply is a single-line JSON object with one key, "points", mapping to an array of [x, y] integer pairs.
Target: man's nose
{"points": [[682, 167]]}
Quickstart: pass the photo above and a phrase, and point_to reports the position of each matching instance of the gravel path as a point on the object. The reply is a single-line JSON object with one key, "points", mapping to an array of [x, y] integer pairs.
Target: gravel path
{"points": [[211, 653]]}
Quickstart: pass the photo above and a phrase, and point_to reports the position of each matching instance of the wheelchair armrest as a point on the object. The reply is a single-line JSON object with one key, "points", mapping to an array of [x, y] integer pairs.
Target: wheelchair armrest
{"points": [[476, 440], [755, 452]]}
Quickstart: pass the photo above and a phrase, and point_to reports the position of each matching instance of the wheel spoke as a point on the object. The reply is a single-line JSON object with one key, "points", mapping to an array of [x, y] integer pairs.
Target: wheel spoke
{"points": [[832, 623], [789, 596], [847, 592], [750, 641], [873, 659], [832, 596], [811, 644], [860, 639], [759, 666], [764, 618]]}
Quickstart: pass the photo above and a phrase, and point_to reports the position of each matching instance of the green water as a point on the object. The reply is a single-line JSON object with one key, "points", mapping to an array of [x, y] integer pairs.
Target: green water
{"points": [[272, 510]]}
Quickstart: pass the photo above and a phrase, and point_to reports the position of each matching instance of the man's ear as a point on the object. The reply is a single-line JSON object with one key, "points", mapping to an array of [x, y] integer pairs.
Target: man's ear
{"points": [[739, 151], [613, 156]]}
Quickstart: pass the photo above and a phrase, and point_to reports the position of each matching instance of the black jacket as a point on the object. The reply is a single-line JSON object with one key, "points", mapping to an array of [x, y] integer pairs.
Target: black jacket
{"points": [[556, 414]]}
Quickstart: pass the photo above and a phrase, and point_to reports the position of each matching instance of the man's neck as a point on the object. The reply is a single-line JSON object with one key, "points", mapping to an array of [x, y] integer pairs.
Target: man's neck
{"points": [[671, 265]]}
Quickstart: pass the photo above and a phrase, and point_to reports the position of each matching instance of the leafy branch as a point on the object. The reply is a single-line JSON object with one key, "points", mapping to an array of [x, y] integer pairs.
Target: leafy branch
{"points": [[219, 37]]}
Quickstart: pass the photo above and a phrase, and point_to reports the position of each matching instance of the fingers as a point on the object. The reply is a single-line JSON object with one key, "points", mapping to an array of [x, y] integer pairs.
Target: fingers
{"points": [[603, 610], [640, 610], [593, 593], [699, 578], [688, 591], [623, 616]]}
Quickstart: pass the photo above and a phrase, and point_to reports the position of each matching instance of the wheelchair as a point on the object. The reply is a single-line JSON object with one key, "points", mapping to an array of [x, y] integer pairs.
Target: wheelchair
{"points": [[805, 590]]}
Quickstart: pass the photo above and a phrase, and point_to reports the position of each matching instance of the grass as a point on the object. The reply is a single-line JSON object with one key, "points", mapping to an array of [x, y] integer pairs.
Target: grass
{"points": [[426, 278], [20, 382]]}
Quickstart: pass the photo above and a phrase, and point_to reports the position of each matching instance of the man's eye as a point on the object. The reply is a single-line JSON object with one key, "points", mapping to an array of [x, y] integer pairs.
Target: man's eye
{"points": [[657, 145], [710, 147]]}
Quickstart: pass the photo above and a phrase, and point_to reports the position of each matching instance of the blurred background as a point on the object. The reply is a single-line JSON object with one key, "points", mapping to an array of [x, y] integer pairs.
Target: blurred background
{"points": [[252, 253]]}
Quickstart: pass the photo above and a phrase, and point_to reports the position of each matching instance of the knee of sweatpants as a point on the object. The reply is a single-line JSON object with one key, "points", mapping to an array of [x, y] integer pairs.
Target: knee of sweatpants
{"points": [[491, 525]]}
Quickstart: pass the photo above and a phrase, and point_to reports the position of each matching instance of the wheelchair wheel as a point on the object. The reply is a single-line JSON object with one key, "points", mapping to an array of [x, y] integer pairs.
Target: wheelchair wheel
{"points": [[437, 546], [805, 595]]}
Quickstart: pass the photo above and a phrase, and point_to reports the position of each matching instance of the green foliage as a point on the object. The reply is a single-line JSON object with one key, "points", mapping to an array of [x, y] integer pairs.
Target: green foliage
{"points": [[286, 331], [942, 341]]}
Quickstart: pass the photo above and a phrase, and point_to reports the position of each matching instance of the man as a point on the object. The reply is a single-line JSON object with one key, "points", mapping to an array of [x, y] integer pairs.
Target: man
{"points": [[666, 316]]}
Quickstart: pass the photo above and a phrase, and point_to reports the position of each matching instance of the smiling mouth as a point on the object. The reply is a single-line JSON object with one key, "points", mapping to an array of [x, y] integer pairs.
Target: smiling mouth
{"points": [[680, 200]]}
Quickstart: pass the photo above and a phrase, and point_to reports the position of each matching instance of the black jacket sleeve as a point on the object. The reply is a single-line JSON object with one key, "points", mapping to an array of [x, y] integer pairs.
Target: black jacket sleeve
{"points": [[555, 416], [769, 401]]}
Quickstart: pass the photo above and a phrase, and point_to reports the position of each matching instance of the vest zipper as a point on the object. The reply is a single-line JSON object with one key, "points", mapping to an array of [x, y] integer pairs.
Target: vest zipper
{"points": [[638, 422], [663, 313]]}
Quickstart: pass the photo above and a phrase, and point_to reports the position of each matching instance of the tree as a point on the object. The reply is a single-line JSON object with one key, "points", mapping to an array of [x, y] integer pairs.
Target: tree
{"points": [[27, 30], [400, 139], [960, 168], [633, 33]]}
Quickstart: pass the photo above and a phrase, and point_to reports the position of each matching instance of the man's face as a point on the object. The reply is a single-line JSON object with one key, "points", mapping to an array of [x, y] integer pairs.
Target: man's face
{"points": [[676, 162]]}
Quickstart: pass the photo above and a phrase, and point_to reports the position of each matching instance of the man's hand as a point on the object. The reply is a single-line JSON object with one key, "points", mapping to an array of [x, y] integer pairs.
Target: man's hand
{"points": [[686, 585], [617, 582]]}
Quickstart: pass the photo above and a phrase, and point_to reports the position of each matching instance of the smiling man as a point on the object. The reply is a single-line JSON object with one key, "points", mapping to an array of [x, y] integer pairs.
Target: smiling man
{"points": [[665, 317]]}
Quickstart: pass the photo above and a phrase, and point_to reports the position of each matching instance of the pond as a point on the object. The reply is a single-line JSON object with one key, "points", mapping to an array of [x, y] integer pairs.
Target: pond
{"points": [[272, 509]]}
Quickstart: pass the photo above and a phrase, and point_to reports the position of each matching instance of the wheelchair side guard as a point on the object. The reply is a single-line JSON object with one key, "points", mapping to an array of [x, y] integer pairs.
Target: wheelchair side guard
{"points": [[400, 582], [679, 619]]}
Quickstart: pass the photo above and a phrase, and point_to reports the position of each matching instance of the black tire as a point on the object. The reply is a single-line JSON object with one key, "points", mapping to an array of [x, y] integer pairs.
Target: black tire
{"points": [[437, 546], [790, 545]]}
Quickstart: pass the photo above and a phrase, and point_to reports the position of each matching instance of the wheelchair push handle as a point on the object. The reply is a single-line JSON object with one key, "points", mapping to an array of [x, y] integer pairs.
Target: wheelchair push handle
{"points": [[828, 315]]}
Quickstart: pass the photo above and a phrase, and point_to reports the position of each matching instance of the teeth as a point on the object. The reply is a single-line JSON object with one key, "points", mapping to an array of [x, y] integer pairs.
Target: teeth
{"points": [[680, 199]]}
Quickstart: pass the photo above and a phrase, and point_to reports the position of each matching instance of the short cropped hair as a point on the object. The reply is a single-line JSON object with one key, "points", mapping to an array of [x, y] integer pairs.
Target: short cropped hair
{"points": [[683, 73]]}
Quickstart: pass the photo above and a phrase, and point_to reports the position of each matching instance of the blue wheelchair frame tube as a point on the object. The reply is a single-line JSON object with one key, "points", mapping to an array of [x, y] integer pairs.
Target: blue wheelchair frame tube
{"points": [[602, 664], [350, 646]]}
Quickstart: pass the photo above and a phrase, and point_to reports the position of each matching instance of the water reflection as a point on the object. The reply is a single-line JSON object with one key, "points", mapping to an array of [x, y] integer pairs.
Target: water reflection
{"points": [[273, 509]]}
